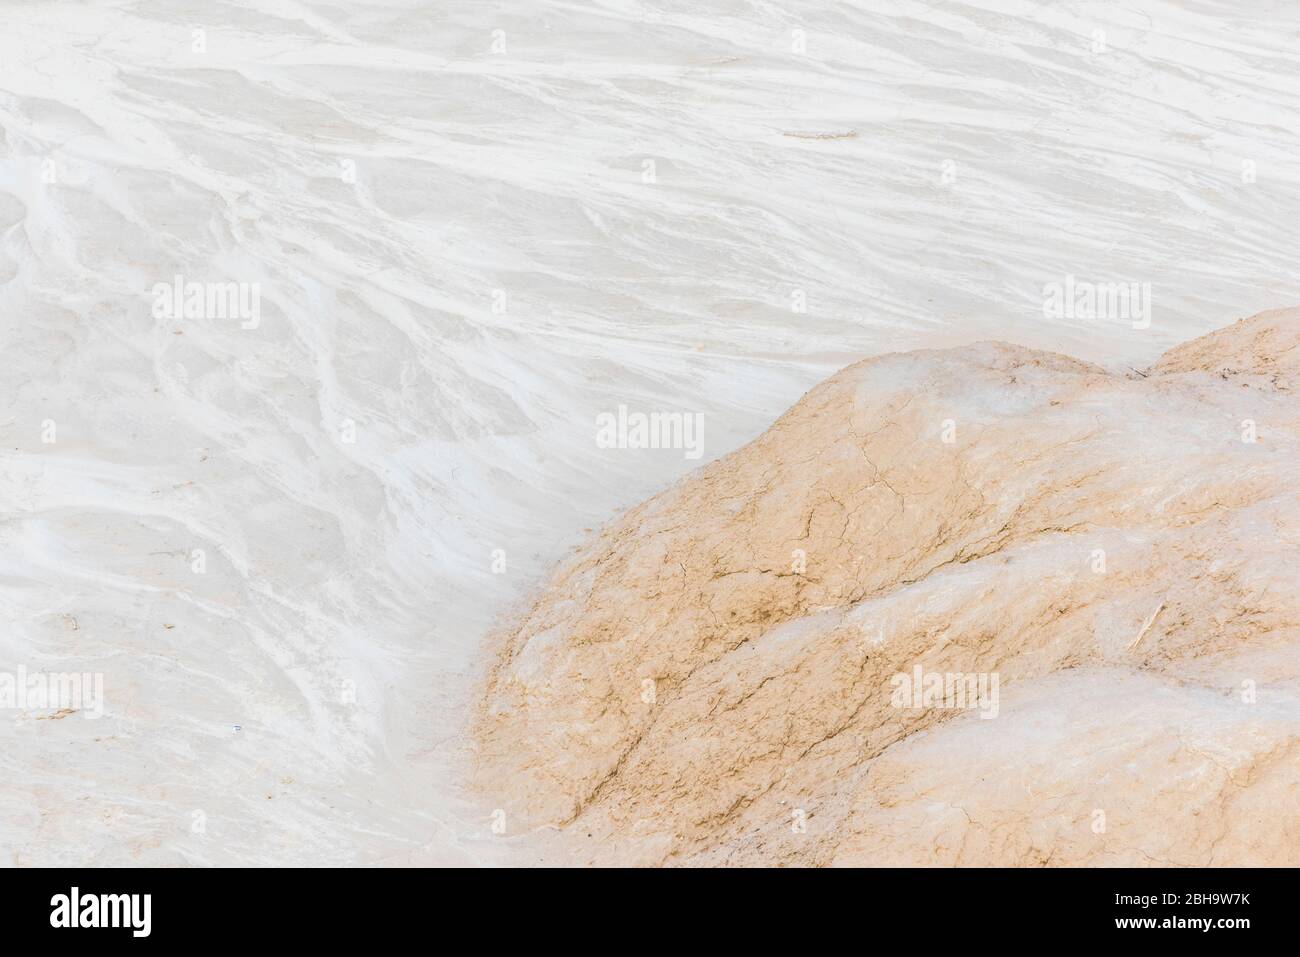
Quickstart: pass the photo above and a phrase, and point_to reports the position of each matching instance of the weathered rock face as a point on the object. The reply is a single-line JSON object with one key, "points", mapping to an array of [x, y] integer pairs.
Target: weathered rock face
{"points": [[1111, 561]]}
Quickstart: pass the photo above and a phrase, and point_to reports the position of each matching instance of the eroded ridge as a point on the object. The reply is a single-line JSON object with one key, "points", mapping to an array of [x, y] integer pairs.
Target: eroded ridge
{"points": [[714, 678]]}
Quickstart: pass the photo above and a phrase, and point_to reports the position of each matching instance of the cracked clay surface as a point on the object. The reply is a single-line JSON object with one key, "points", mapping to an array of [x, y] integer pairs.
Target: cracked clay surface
{"points": [[708, 681]]}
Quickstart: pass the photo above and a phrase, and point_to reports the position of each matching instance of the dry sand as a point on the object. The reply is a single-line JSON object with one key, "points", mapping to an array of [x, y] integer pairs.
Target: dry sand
{"points": [[1114, 559], [475, 227]]}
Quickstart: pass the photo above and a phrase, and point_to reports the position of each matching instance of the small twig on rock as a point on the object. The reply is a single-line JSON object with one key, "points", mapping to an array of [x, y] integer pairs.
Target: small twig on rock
{"points": [[1146, 626]]}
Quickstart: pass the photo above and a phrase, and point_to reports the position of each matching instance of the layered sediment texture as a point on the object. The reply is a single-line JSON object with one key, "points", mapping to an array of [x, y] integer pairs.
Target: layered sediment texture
{"points": [[475, 228], [712, 679]]}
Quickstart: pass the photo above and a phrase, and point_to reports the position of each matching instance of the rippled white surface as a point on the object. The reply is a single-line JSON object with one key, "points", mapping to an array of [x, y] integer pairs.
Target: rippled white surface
{"points": [[644, 192]]}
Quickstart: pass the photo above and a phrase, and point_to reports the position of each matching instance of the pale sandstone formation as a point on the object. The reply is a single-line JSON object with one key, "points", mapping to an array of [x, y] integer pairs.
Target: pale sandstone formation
{"points": [[1113, 547]]}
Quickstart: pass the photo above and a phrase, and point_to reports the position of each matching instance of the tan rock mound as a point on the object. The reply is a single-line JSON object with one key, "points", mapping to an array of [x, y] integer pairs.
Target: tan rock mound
{"points": [[974, 606], [1265, 347]]}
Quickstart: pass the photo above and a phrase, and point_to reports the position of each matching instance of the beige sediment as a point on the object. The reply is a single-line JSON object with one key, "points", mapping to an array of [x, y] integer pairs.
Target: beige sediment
{"points": [[709, 680]]}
